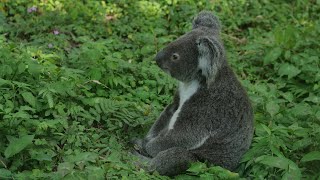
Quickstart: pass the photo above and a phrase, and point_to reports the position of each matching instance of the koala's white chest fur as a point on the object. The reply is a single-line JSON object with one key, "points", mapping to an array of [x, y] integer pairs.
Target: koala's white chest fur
{"points": [[186, 90]]}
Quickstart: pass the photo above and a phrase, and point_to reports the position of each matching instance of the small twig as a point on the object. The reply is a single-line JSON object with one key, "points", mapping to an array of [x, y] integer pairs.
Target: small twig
{"points": [[97, 82], [5, 166]]}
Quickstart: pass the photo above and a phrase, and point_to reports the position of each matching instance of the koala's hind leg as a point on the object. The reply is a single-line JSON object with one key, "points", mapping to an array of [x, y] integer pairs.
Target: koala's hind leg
{"points": [[172, 161]]}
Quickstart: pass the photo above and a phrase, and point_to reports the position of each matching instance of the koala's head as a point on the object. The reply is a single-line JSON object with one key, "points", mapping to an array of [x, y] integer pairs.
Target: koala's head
{"points": [[198, 52]]}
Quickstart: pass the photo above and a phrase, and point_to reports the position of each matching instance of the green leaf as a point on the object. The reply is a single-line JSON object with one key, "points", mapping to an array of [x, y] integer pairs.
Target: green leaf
{"points": [[272, 55], [272, 108], [5, 174], [42, 155], [95, 173], [301, 143], [301, 109], [18, 145], [65, 168], [271, 161], [4, 82], [313, 98], [84, 156], [292, 170], [288, 96], [114, 157], [311, 156], [95, 74], [49, 99], [288, 70], [197, 167], [34, 68], [21, 68], [28, 97]]}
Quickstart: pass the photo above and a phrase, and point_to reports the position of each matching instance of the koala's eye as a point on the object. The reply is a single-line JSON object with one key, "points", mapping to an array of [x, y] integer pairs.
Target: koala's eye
{"points": [[175, 56]]}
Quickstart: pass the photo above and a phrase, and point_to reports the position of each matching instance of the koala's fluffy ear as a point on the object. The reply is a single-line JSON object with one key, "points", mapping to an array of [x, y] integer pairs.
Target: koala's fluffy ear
{"points": [[206, 19], [210, 58]]}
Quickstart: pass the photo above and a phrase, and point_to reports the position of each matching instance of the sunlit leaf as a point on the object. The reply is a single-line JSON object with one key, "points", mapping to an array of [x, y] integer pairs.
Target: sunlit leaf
{"points": [[197, 167]]}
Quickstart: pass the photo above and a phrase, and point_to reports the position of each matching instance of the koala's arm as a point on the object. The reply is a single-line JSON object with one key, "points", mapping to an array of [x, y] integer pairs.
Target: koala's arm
{"points": [[181, 136], [164, 119], [157, 127]]}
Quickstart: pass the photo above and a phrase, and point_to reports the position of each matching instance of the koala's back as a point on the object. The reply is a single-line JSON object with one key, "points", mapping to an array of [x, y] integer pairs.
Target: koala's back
{"points": [[224, 111]]}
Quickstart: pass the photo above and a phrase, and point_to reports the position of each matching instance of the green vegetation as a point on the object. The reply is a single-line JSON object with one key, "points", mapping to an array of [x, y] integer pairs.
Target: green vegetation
{"points": [[77, 82]]}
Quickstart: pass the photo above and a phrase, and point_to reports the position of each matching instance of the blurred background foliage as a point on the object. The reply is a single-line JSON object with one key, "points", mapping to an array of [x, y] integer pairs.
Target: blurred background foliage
{"points": [[77, 81]]}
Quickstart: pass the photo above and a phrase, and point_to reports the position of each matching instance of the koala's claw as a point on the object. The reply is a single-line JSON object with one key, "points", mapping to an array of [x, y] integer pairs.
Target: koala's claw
{"points": [[138, 145]]}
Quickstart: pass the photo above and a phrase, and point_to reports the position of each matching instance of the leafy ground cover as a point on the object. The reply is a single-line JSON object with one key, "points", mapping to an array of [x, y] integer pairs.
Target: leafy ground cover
{"points": [[77, 82]]}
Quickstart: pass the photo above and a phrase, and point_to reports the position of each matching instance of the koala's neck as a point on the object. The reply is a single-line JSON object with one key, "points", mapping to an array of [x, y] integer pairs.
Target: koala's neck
{"points": [[186, 90]]}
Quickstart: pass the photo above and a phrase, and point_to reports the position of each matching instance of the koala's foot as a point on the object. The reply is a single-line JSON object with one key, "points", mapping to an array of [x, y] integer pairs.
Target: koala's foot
{"points": [[172, 161], [142, 161]]}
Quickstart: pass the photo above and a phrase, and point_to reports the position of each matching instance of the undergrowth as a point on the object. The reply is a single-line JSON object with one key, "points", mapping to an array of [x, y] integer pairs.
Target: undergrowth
{"points": [[77, 82]]}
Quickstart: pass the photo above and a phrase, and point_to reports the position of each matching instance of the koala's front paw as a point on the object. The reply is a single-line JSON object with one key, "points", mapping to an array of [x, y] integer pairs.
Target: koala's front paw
{"points": [[137, 143], [139, 146]]}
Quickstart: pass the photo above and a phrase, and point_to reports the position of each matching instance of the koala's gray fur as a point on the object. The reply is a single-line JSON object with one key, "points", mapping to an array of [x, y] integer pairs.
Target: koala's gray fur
{"points": [[211, 118]]}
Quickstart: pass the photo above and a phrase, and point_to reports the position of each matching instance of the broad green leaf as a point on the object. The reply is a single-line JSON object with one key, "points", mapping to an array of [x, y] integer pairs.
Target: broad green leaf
{"points": [[184, 177], [317, 114], [65, 168], [42, 154], [311, 156], [300, 144], [95, 74], [222, 172], [287, 54], [84, 156], [114, 157], [34, 68], [5, 174], [288, 96], [272, 108], [288, 70], [21, 68], [272, 161], [313, 98], [301, 109], [28, 97], [292, 170], [197, 167], [272, 55], [4, 82], [18, 145], [95, 173], [22, 114]]}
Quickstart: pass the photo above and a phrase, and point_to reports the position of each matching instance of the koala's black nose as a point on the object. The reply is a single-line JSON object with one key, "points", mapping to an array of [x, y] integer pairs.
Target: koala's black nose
{"points": [[160, 55]]}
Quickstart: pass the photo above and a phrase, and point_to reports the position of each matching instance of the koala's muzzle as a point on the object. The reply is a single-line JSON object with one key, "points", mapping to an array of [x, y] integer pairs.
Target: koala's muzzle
{"points": [[160, 58]]}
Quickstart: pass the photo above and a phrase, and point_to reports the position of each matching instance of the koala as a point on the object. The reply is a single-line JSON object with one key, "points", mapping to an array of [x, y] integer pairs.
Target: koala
{"points": [[211, 118]]}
